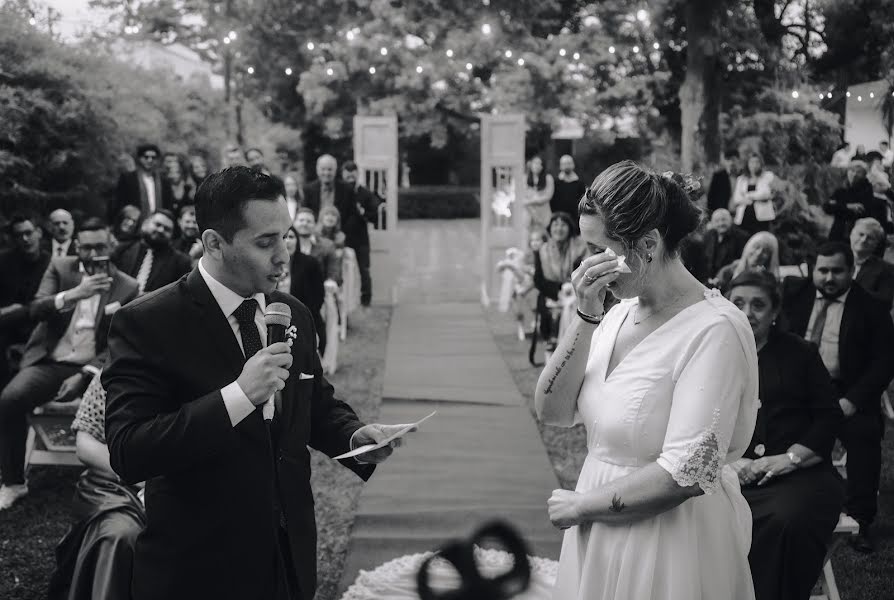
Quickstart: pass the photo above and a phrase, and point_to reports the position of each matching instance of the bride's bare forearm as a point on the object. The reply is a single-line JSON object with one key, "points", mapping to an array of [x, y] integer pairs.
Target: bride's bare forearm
{"points": [[643, 494], [555, 398]]}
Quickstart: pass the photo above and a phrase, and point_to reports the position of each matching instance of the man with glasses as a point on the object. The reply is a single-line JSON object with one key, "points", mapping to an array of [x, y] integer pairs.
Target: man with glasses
{"points": [[143, 188], [74, 305], [22, 266]]}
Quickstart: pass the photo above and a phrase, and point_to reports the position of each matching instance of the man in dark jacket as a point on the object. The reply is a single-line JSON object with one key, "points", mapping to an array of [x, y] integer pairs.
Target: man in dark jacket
{"points": [[853, 201], [720, 190], [143, 188], [873, 274], [367, 204], [855, 336], [723, 242], [152, 260]]}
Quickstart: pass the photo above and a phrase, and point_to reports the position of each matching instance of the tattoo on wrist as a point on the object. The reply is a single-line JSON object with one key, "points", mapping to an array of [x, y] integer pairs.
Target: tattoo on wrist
{"points": [[568, 354], [617, 506]]}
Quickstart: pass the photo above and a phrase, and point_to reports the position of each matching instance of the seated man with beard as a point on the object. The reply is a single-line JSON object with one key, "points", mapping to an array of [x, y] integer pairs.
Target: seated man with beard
{"points": [[152, 260], [187, 240]]}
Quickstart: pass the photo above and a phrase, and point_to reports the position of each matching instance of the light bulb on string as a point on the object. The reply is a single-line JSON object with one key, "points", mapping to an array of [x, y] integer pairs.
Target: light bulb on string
{"points": [[642, 15], [795, 94], [611, 49], [656, 45], [310, 46], [848, 94], [32, 21], [226, 40], [872, 94], [232, 35], [288, 70], [521, 62], [449, 53], [330, 72], [251, 70], [419, 68], [636, 49], [468, 66], [485, 29], [829, 95], [372, 70], [576, 56], [821, 96], [383, 51], [859, 98], [508, 54], [561, 51], [350, 36]]}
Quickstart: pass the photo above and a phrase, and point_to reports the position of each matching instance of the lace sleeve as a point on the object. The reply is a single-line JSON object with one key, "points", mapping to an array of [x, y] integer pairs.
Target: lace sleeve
{"points": [[91, 415], [707, 396]]}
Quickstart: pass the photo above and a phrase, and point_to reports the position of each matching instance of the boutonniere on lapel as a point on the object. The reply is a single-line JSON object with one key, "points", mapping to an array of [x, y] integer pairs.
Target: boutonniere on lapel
{"points": [[291, 335], [112, 308]]}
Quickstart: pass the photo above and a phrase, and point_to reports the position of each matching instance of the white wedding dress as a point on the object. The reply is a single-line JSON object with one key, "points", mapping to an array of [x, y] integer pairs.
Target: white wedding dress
{"points": [[686, 397]]}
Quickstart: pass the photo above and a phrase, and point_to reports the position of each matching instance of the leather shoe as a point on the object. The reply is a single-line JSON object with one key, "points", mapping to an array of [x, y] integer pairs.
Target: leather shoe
{"points": [[863, 542]]}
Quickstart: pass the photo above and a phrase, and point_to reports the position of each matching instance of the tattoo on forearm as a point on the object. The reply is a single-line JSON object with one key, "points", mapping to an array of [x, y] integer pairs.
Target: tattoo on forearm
{"points": [[568, 354], [617, 506]]}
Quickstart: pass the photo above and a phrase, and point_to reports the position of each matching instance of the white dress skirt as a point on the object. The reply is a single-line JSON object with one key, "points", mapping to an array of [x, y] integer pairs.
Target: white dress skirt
{"points": [[686, 398]]}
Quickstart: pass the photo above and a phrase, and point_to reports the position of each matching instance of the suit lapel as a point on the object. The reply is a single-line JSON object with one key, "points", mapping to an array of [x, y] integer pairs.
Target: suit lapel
{"points": [[847, 314], [215, 323]]}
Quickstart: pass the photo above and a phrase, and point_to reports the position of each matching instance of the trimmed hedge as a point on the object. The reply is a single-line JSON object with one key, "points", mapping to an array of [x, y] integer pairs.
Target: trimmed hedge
{"points": [[438, 202]]}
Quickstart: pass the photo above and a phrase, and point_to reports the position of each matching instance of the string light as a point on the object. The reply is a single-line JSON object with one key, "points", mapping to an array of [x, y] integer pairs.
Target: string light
{"points": [[656, 45], [829, 95], [226, 40], [576, 56], [350, 36], [859, 98], [288, 70], [636, 49], [485, 29], [251, 70], [449, 53], [383, 51], [561, 51], [232, 35], [32, 21], [871, 95], [468, 66], [310, 45], [795, 94], [330, 72], [521, 62], [419, 68], [642, 15], [611, 49], [372, 70], [848, 94], [821, 96]]}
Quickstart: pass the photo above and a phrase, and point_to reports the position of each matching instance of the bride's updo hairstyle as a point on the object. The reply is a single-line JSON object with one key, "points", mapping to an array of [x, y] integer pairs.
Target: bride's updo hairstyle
{"points": [[632, 201]]}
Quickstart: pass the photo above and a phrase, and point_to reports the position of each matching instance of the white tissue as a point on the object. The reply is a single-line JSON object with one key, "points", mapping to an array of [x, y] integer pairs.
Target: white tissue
{"points": [[622, 262]]}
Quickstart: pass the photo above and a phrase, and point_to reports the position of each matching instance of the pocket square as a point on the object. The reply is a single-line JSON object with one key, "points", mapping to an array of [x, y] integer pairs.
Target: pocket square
{"points": [[303, 376], [112, 308]]}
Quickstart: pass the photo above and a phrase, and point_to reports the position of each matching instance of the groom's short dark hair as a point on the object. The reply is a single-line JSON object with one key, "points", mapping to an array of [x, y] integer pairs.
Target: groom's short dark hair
{"points": [[222, 196]]}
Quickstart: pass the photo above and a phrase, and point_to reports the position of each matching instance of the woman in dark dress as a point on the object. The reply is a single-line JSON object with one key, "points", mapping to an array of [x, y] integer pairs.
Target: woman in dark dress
{"points": [[94, 560], [787, 477], [304, 280]]}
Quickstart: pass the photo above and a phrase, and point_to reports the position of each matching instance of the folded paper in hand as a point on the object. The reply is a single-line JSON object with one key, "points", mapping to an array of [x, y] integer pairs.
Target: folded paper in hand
{"points": [[405, 428], [622, 262]]}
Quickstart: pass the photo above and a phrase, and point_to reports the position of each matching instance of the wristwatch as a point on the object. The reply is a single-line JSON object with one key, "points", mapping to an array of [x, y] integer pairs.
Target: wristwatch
{"points": [[796, 460]]}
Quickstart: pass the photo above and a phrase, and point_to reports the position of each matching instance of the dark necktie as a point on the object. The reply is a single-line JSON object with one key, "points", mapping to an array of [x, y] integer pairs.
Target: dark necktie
{"points": [[816, 334], [248, 330]]}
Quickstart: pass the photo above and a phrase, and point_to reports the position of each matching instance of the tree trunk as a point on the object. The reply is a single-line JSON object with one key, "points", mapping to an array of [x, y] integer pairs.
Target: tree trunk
{"points": [[700, 94]]}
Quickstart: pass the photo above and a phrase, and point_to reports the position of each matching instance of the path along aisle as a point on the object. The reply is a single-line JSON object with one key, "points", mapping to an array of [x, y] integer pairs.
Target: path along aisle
{"points": [[481, 456]]}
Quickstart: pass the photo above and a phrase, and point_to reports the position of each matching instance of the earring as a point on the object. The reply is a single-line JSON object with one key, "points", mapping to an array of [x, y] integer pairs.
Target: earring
{"points": [[649, 257]]}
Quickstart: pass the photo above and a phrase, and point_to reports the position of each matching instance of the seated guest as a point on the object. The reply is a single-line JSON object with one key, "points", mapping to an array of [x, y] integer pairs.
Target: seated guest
{"points": [[22, 268], [753, 197], [318, 247], [872, 273], [761, 252], [188, 240], [304, 280], [152, 260], [723, 242], [853, 201], [330, 227], [94, 561], [74, 307], [126, 226], [786, 474], [855, 336], [62, 233], [553, 265], [568, 191]]}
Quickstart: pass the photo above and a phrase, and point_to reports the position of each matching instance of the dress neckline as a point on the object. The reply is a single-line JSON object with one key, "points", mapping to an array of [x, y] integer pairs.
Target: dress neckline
{"points": [[606, 375]]}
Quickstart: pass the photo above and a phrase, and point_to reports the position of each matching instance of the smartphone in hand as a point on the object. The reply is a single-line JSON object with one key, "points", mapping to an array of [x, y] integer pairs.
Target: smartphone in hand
{"points": [[98, 265]]}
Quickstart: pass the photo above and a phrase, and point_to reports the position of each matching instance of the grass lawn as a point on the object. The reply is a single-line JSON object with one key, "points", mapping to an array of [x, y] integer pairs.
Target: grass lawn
{"points": [[859, 576], [30, 530]]}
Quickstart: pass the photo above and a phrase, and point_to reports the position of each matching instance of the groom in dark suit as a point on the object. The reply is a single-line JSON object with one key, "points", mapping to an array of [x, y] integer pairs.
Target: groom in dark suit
{"points": [[228, 498]]}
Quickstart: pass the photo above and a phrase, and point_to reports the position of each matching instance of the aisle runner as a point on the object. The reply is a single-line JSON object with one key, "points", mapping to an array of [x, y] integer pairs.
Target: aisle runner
{"points": [[479, 458]]}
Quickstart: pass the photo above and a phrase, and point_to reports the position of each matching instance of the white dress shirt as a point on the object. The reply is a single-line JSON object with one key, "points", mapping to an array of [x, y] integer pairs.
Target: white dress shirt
{"points": [[293, 205], [828, 346], [78, 344], [237, 403], [61, 248], [149, 184]]}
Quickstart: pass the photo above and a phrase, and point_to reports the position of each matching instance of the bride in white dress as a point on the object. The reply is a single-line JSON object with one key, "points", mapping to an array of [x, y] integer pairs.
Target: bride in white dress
{"points": [[666, 386]]}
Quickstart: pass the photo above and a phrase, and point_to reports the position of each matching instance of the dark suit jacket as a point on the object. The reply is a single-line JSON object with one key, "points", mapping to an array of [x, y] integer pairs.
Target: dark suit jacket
{"points": [[167, 266], [720, 191], [64, 274], [718, 254], [860, 193], [307, 282], [877, 277], [47, 243], [211, 487], [129, 192], [866, 339], [19, 281], [352, 222], [370, 203]]}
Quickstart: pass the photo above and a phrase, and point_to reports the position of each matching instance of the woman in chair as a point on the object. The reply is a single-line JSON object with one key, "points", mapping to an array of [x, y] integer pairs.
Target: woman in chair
{"points": [[786, 474], [94, 560], [761, 253], [553, 265]]}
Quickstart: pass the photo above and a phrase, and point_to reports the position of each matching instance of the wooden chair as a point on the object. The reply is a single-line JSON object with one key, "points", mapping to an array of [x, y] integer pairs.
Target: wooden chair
{"points": [[50, 439], [829, 589]]}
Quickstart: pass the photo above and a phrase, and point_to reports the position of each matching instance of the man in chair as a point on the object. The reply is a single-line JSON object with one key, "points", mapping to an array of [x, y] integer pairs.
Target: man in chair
{"points": [[152, 260], [855, 336], [73, 306]]}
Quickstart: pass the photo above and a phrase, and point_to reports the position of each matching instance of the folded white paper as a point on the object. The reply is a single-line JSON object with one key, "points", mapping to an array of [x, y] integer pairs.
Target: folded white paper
{"points": [[622, 262], [405, 428]]}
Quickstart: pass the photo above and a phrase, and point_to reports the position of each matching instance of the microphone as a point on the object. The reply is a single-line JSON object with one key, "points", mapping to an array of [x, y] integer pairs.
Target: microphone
{"points": [[277, 318]]}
